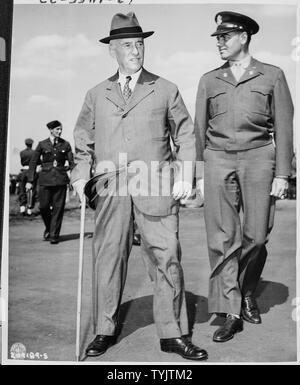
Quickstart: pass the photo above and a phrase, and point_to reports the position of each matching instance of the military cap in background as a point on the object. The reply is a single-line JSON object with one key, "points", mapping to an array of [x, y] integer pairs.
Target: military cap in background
{"points": [[53, 124], [233, 21], [28, 141]]}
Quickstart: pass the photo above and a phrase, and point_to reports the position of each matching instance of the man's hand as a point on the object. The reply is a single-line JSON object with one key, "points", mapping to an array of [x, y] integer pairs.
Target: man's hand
{"points": [[28, 186], [279, 188], [78, 186], [200, 187], [182, 190]]}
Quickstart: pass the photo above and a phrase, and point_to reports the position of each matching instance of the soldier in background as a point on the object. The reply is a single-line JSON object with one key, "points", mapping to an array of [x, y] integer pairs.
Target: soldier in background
{"points": [[26, 199], [53, 153]]}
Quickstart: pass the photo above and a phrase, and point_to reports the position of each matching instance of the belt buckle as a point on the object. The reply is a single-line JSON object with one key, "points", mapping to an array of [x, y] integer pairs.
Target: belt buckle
{"points": [[55, 163]]}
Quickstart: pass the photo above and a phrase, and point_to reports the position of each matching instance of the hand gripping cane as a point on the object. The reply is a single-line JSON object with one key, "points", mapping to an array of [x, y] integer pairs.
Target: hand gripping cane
{"points": [[80, 271]]}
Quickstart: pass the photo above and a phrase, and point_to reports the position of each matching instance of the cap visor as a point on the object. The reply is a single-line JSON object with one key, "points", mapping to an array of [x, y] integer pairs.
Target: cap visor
{"points": [[223, 31]]}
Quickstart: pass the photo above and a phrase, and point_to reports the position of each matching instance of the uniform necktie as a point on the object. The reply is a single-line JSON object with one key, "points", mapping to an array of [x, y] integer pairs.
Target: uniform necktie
{"points": [[55, 141], [237, 70], [126, 89]]}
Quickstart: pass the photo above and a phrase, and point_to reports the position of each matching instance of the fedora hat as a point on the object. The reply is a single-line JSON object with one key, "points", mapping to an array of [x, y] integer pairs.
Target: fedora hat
{"points": [[123, 26]]}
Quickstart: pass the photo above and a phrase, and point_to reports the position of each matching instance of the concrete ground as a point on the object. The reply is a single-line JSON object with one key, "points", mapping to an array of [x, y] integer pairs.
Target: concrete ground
{"points": [[43, 292]]}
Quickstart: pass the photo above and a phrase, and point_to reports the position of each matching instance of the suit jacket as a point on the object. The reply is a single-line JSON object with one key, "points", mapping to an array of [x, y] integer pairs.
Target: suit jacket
{"points": [[241, 115], [53, 161], [112, 135]]}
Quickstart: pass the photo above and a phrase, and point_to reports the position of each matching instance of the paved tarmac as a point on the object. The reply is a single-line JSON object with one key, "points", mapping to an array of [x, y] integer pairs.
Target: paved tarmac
{"points": [[43, 292]]}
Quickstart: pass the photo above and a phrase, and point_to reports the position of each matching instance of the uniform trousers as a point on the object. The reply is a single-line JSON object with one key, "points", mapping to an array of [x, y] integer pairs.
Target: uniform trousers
{"points": [[239, 214], [23, 179], [52, 204], [112, 243]]}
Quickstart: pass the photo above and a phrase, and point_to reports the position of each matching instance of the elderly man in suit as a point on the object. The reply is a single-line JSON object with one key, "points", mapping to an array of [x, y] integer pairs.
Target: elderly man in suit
{"points": [[125, 127], [243, 125]]}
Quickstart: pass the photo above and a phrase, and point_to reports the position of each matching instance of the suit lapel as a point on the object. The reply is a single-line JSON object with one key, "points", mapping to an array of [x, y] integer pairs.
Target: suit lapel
{"points": [[113, 92], [143, 88]]}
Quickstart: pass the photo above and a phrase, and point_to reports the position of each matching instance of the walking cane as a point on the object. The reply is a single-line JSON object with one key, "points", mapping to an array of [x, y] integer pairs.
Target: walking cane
{"points": [[80, 271]]}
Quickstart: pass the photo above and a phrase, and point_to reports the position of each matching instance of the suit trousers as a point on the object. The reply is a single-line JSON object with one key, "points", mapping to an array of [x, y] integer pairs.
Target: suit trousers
{"points": [[112, 243], [239, 215], [52, 204]]}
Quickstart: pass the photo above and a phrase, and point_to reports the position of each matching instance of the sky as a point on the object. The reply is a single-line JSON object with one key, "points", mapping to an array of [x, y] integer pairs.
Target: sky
{"points": [[57, 56]]}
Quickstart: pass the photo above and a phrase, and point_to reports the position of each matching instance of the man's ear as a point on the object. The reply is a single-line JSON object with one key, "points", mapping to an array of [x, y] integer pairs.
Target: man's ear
{"points": [[112, 51], [244, 37]]}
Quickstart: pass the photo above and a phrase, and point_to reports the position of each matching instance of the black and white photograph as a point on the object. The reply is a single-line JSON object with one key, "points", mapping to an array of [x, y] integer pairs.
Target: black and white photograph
{"points": [[151, 181]]}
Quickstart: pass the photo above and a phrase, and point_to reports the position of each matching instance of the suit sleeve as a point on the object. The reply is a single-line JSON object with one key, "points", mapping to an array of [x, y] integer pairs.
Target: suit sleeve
{"points": [[182, 133], [34, 161], [84, 132], [201, 123], [283, 125]]}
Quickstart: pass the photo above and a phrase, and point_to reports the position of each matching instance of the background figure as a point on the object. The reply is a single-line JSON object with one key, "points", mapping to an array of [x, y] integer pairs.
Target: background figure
{"points": [[53, 153], [26, 198], [127, 121], [242, 108]]}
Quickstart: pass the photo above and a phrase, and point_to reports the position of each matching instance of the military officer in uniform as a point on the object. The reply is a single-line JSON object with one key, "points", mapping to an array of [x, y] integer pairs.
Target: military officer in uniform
{"points": [[243, 126], [53, 153], [25, 157]]}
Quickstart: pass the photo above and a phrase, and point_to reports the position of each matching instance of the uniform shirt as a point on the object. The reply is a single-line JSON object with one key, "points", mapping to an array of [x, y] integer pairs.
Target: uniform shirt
{"points": [[53, 159], [239, 115], [26, 156], [238, 67]]}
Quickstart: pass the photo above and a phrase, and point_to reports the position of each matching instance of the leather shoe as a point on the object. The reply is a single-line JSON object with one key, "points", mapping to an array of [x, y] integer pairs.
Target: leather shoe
{"points": [[231, 326], [184, 347], [250, 312], [99, 345], [137, 239], [46, 235], [54, 241]]}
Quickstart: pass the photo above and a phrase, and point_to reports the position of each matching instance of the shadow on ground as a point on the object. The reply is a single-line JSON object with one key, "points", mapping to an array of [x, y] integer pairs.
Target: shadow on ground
{"points": [[138, 313], [71, 237], [268, 294]]}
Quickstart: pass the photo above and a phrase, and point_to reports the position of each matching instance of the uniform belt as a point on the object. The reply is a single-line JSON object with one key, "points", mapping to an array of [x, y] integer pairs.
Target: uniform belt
{"points": [[51, 163], [25, 167]]}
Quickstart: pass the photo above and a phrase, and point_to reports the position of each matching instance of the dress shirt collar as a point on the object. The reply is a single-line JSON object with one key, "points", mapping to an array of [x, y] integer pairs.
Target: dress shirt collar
{"points": [[244, 63], [133, 81], [52, 139]]}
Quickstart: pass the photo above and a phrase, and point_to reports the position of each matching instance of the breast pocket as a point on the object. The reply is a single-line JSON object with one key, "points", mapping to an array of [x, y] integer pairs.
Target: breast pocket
{"points": [[218, 102], [47, 156], [260, 100]]}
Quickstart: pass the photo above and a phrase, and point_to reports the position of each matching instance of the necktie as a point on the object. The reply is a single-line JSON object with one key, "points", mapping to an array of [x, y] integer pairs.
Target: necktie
{"points": [[126, 89], [237, 70], [55, 141]]}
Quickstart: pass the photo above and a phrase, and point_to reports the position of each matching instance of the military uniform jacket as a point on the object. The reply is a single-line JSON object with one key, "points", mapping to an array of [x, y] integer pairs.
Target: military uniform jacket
{"points": [[53, 161], [241, 115], [107, 127], [26, 156]]}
